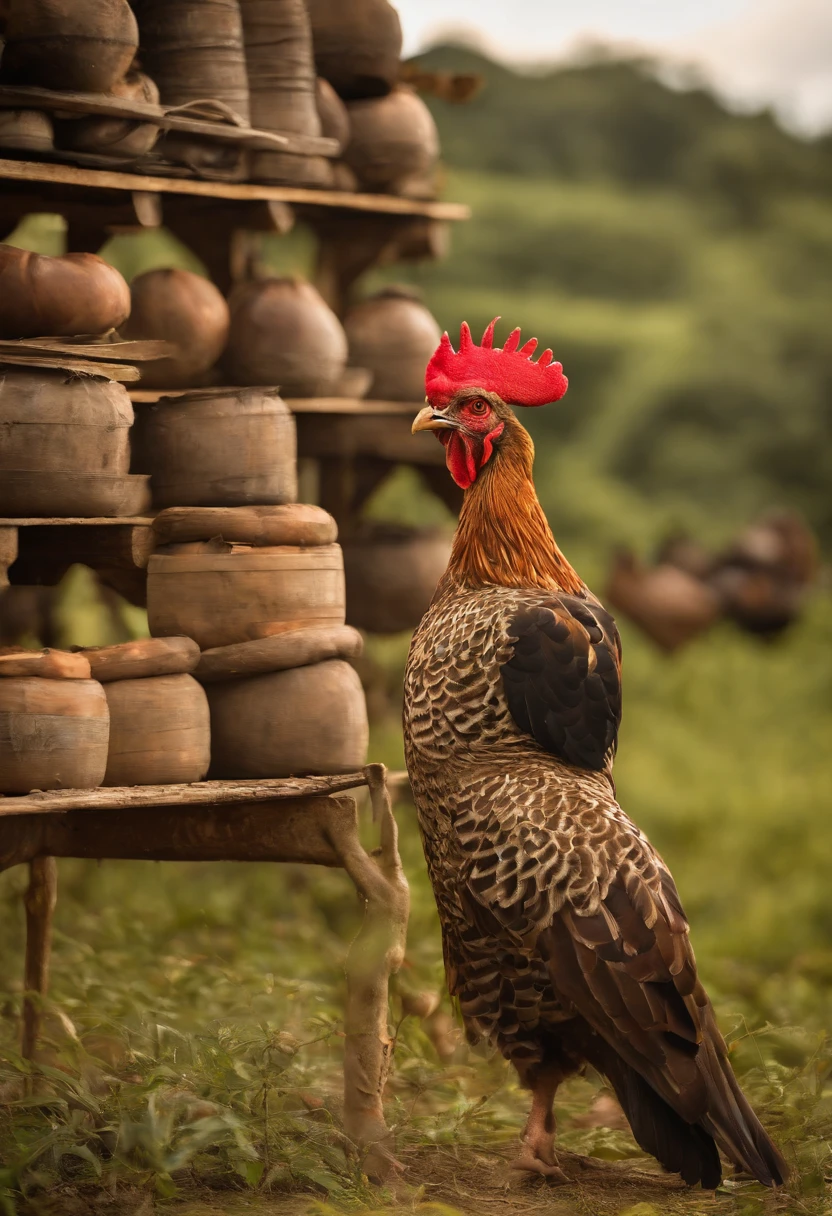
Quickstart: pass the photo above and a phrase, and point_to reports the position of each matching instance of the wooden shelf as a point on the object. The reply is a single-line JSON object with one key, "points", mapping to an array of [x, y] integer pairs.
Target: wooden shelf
{"points": [[58, 179], [198, 793]]}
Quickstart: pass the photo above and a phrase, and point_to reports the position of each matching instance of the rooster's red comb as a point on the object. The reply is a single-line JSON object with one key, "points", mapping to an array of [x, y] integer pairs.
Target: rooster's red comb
{"points": [[508, 372]]}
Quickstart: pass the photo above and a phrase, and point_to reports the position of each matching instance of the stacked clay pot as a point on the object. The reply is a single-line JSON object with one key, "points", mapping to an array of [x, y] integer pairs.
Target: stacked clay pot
{"points": [[54, 723], [160, 731], [88, 47], [261, 589], [281, 81], [193, 49], [85, 46], [66, 446], [217, 447], [283, 333]]}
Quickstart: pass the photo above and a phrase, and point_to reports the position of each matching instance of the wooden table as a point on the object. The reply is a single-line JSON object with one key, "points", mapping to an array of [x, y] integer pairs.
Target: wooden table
{"points": [[307, 820]]}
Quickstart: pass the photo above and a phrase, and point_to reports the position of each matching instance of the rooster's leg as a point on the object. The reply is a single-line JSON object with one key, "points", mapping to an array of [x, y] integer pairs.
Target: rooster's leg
{"points": [[537, 1144]]}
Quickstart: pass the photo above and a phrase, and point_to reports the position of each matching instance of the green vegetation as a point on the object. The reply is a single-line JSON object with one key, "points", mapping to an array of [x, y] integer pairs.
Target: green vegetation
{"points": [[678, 259]]}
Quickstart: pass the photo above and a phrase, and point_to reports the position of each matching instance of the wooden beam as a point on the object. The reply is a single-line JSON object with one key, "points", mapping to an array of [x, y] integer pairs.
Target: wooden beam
{"points": [[202, 793], [108, 179]]}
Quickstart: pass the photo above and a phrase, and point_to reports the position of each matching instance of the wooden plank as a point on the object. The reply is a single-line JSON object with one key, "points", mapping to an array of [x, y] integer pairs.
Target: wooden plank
{"points": [[108, 352], [358, 406], [169, 119], [72, 521], [122, 372], [202, 793], [108, 179]]}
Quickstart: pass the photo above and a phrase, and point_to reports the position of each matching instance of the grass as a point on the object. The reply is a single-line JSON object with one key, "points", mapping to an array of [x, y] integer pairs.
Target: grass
{"points": [[194, 1034]]}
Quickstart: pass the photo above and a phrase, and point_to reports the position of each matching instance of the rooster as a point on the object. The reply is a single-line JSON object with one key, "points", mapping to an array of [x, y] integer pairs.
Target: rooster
{"points": [[564, 939]]}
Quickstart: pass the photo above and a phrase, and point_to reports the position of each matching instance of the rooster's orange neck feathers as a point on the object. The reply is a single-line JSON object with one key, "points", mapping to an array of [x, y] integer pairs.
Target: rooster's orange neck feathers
{"points": [[503, 537]]}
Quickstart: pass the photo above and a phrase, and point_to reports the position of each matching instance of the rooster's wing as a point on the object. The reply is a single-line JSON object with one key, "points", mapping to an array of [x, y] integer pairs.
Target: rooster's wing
{"points": [[563, 679]]}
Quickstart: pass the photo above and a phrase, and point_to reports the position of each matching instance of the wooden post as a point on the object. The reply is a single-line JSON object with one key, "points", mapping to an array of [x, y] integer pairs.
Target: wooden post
{"points": [[376, 954], [39, 901]]}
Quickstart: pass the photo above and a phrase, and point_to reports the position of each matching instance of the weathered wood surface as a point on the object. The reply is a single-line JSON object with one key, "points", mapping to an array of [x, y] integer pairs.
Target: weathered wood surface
{"points": [[108, 179], [78, 521], [203, 794], [295, 830]]}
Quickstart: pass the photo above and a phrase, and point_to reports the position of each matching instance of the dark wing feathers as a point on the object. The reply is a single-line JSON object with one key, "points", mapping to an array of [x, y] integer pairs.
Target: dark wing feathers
{"points": [[562, 680], [629, 972]]}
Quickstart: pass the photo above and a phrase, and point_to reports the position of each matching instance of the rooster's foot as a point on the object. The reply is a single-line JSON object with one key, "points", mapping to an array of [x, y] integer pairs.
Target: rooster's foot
{"points": [[537, 1156]]}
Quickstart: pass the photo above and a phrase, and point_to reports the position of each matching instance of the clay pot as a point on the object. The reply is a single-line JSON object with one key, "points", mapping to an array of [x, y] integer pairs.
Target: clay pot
{"points": [[217, 447], [30, 130], [183, 308], [289, 723], [357, 45], [113, 136], [86, 495], [295, 523], [53, 734], [393, 335], [393, 140], [218, 593], [391, 575], [670, 606], [333, 114], [41, 296], [160, 731], [81, 45], [193, 49], [66, 446], [281, 80], [283, 333]]}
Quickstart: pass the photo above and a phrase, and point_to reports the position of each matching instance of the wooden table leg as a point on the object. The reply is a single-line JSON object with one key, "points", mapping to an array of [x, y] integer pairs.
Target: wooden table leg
{"points": [[376, 953], [39, 900]]}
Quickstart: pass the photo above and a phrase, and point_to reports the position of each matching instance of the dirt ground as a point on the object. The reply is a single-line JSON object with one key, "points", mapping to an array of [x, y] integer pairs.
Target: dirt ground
{"points": [[440, 1181]]}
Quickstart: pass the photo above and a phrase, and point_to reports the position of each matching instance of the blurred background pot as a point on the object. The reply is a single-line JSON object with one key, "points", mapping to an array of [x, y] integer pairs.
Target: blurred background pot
{"points": [[391, 574], [357, 45], [393, 140]]}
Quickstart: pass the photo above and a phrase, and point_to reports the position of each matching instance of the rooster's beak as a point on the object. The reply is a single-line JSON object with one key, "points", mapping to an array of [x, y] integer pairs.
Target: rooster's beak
{"points": [[429, 419]]}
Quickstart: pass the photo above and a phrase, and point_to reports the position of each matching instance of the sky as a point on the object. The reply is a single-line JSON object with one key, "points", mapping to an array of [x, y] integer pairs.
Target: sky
{"points": [[754, 52]]}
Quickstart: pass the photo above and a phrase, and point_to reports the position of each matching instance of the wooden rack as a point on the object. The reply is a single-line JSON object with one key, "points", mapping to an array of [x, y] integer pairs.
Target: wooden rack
{"points": [[295, 820]]}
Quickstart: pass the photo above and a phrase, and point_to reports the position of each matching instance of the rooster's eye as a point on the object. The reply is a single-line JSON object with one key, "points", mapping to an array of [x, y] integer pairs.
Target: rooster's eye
{"points": [[478, 407]]}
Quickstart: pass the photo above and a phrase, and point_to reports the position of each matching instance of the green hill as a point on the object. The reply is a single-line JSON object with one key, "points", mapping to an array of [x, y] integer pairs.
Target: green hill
{"points": [[678, 257]]}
